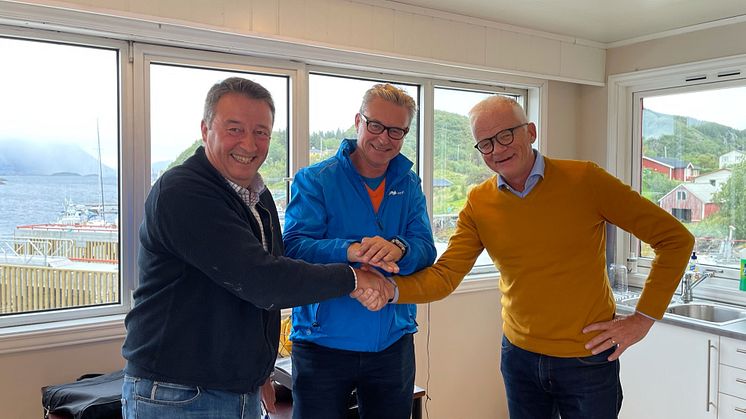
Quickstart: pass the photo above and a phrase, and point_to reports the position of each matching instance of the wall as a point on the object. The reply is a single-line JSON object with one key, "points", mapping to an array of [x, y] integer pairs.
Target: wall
{"points": [[562, 120], [24, 373], [378, 28], [463, 357]]}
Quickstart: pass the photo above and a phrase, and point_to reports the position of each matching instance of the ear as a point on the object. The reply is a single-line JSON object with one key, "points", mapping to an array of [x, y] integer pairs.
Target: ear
{"points": [[358, 120], [204, 129], [532, 131]]}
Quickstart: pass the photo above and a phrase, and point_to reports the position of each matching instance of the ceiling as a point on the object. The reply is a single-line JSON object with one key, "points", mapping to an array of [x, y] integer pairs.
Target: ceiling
{"points": [[604, 21]]}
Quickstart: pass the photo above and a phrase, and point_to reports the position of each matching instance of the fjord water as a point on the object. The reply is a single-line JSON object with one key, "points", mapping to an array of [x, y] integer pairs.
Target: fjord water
{"points": [[41, 199]]}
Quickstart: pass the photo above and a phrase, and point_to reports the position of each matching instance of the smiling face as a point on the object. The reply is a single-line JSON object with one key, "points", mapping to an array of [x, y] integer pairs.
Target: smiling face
{"points": [[237, 140], [374, 151], [514, 161]]}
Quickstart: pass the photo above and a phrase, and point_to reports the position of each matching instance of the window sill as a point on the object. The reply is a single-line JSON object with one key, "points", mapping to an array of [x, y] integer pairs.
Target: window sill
{"points": [[99, 329], [59, 334]]}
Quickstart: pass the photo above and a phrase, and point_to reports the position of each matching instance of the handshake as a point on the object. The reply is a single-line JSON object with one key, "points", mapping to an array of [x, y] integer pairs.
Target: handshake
{"points": [[373, 290]]}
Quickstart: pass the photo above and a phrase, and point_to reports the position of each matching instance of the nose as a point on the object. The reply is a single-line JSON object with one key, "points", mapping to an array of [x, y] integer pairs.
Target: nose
{"points": [[248, 143]]}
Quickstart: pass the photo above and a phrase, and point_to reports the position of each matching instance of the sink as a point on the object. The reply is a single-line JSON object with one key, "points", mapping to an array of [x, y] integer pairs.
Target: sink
{"points": [[708, 312], [631, 302]]}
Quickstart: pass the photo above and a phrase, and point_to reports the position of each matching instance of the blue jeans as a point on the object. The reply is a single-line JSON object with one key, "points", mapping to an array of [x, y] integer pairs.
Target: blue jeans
{"points": [[545, 387], [324, 378], [146, 399]]}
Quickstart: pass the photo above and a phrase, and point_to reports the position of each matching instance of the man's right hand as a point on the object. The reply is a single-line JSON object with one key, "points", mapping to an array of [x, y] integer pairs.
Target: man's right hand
{"points": [[357, 252], [373, 290]]}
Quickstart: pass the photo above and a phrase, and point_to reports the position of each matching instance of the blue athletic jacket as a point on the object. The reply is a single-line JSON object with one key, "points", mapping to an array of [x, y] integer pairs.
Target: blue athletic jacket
{"points": [[330, 209]]}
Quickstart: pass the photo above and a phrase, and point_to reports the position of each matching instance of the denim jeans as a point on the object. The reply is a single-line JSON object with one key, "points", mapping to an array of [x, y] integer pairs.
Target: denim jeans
{"points": [[146, 399], [323, 379], [545, 387]]}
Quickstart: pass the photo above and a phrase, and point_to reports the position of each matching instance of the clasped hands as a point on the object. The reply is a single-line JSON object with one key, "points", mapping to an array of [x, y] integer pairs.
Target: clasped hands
{"points": [[373, 290], [375, 251]]}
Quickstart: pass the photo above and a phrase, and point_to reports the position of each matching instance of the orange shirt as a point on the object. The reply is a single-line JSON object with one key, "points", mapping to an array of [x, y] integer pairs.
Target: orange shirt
{"points": [[376, 195]]}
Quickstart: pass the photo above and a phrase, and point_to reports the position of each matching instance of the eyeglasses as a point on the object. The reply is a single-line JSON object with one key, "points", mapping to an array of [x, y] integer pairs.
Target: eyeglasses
{"points": [[504, 138], [375, 127]]}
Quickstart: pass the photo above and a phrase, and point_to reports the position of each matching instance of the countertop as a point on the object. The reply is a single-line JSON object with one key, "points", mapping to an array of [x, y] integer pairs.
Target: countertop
{"points": [[735, 330]]}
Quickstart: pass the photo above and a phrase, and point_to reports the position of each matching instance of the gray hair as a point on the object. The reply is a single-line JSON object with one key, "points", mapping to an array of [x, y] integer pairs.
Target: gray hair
{"points": [[491, 103], [389, 93], [241, 86]]}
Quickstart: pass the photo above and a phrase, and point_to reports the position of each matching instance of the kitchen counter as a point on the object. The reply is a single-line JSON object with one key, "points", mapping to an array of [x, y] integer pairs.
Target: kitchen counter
{"points": [[735, 330]]}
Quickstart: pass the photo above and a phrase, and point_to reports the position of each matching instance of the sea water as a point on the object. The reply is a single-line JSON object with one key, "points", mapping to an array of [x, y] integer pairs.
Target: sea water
{"points": [[41, 199]]}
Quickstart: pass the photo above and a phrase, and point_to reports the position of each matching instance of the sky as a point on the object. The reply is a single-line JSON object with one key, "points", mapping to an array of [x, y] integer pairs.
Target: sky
{"points": [[724, 106]]}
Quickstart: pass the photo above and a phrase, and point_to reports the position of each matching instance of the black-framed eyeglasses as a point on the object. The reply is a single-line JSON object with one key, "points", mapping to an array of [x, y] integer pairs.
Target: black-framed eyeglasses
{"points": [[504, 138], [375, 127]]}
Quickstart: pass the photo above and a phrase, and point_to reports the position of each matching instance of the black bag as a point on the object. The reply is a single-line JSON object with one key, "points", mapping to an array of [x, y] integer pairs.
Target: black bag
{"points": [[93, 396]]}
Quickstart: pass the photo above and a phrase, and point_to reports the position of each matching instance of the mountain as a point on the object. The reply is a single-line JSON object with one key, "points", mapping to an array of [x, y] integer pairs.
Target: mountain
{"points": [[19, 157], [689, 139]]}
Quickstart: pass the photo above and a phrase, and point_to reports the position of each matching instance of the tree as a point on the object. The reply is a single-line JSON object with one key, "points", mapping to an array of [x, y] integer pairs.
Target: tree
{"points": [[732, 201], [655, 185]]}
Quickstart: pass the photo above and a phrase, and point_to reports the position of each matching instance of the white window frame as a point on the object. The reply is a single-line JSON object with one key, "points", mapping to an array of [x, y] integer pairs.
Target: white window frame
{"points": [[135, 38], [623, 142], [126, 243]]}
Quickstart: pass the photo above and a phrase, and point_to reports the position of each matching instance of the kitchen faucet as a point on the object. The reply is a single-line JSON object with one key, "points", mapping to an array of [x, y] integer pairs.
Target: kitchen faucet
{"points": [[690, 280]]}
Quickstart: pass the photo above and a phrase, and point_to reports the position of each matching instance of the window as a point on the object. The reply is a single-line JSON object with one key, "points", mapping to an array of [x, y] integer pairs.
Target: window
{"points": [[700, 134], [59, 176], [457, 165], [332, 117], [177, 97], [88, 124], [688, 136]]}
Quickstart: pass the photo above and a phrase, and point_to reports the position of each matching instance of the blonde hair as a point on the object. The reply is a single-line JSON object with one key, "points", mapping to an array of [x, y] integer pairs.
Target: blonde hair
{"points": [[389, 93]]}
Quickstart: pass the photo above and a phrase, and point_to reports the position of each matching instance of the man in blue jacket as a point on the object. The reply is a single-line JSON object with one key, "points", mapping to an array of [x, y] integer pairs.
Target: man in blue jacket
{"points": [[364, 205], [203, 334]]}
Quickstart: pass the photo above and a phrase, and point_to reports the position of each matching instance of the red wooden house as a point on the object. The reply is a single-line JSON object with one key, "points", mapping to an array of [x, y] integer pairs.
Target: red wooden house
{"points": [[673, 168]]}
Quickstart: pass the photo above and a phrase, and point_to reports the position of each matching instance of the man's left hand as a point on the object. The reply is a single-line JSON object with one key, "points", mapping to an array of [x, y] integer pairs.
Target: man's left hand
{"points": [[622, 332], [268, 396]]}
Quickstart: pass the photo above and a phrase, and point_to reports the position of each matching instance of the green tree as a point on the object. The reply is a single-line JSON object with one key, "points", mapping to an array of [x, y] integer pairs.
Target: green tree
{"points": [[655, 185], [732, 201]]}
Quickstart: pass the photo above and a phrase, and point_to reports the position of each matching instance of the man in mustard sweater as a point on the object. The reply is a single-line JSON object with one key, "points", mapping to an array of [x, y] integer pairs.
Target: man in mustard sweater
{"points": [[543, 223]]}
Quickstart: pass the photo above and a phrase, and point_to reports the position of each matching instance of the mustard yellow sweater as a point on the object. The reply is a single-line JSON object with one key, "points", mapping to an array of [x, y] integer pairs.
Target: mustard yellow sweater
{"points": [[550, 250]]}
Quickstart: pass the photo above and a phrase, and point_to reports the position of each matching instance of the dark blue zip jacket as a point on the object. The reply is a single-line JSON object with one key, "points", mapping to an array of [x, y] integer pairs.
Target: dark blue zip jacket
{"points": [[207, 306], [330, 209]]}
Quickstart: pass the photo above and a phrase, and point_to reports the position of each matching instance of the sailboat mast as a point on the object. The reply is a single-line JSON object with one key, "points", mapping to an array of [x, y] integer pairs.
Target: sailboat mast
{"points": [[100, 173]]}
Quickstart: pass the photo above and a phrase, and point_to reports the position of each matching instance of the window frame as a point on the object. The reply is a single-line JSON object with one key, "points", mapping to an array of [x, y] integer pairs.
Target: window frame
{"points": [[626, 92], [125, 137], [200, 46]]}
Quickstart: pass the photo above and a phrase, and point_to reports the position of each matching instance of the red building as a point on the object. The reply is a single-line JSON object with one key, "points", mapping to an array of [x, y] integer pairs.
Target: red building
{"points": [[690, 201], [673, 168]]}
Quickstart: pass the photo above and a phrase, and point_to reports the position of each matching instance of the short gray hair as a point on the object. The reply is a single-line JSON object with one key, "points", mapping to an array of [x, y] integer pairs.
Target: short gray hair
{"points": [[491, 103], [390, 93], [241, 86]]}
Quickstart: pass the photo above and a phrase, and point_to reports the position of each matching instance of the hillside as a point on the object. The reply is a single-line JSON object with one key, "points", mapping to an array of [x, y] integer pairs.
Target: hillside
{"points": [[689, 139], [19, 157]]}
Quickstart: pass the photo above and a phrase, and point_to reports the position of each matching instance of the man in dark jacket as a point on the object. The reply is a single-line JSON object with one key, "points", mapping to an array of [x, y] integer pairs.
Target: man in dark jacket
{"points": [[203, 334]]}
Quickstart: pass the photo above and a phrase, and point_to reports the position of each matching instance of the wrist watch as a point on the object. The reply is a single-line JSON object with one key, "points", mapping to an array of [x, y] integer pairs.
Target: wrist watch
{"points": [[400, 244]]}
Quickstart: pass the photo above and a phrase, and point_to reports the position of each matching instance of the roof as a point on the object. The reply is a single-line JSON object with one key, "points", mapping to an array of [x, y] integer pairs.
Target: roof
{"points": [[703, 191], [669, 161], [441, 183]]}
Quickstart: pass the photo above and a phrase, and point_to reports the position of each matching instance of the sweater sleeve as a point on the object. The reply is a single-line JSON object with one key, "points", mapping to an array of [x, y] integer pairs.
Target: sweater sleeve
{"points": [[196, 224], [671, 241], [442, 278]]}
